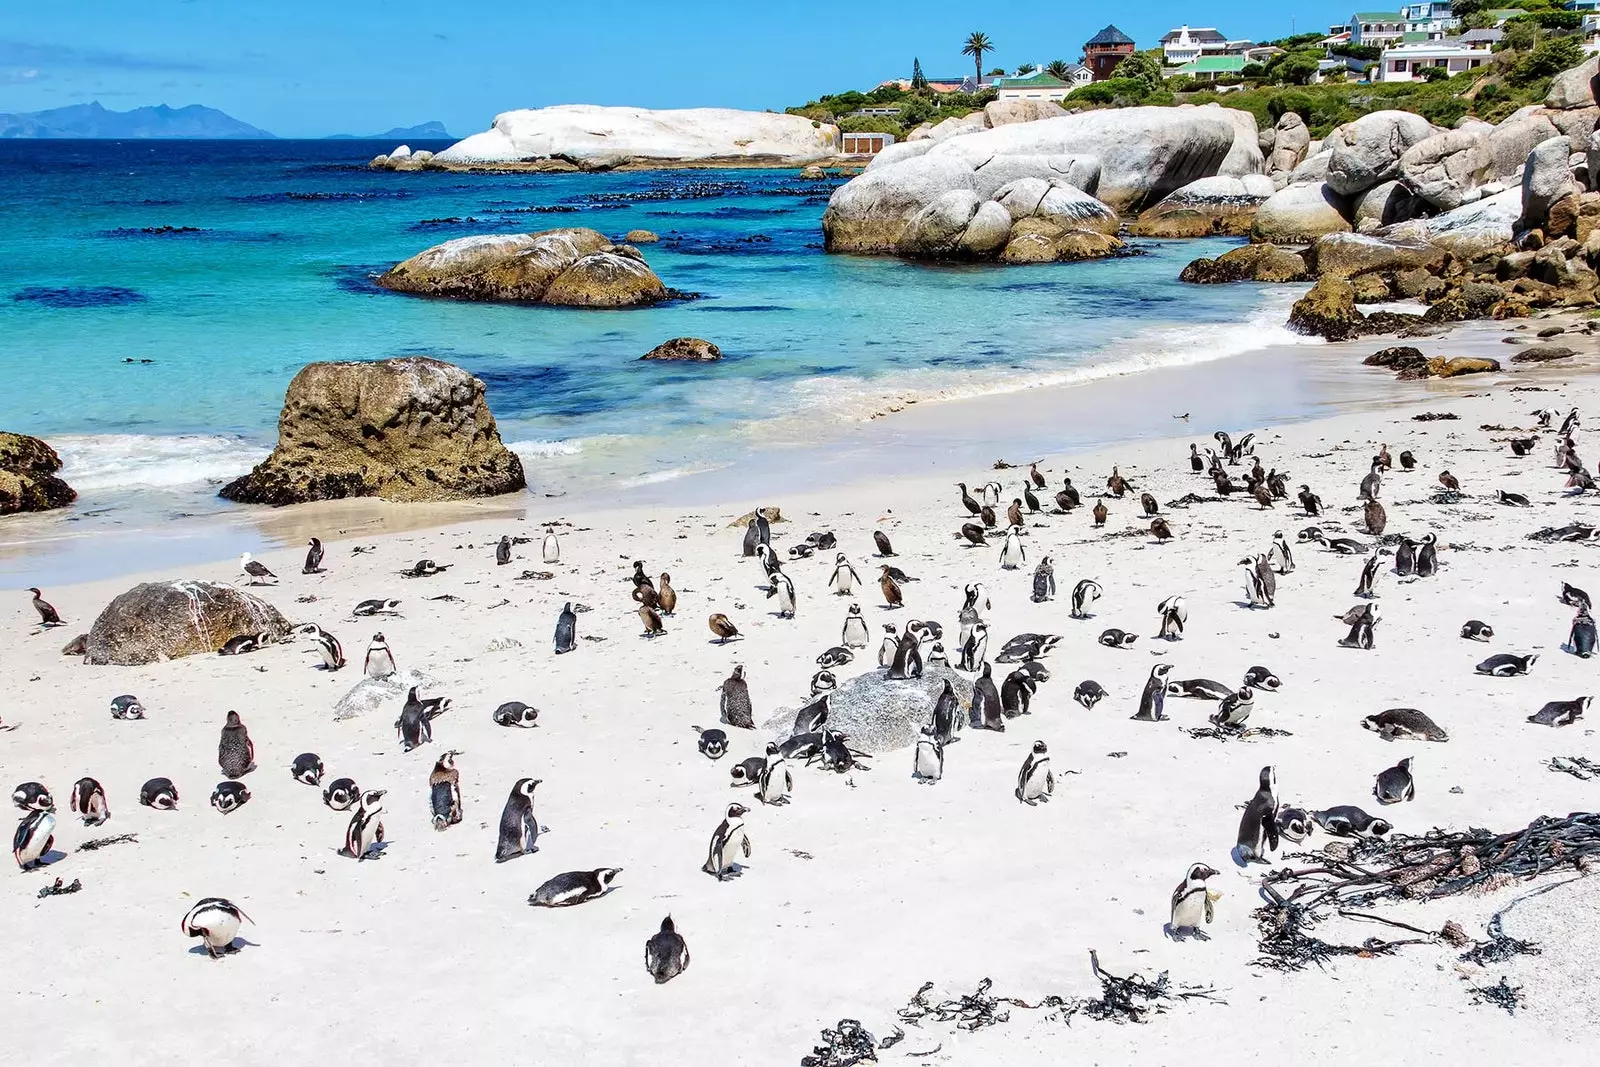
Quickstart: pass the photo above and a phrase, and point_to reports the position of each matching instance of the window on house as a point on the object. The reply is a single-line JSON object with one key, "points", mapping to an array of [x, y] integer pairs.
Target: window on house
{"points": [[1399, 66]]}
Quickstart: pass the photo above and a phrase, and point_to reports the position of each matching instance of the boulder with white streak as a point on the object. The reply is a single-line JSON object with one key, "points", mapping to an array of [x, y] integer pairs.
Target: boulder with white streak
{"points": [[1367, 152], [574, 267], [1218, 205], [1470, 231]]}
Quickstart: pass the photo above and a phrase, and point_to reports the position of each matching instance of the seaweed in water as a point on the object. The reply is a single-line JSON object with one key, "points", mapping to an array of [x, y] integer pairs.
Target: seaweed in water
{"points": [[78, 296], [359, 278], [1503, 995], [845, 1045]]}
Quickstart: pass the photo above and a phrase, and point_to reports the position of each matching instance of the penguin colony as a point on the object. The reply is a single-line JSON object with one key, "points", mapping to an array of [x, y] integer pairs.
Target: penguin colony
{"points": [[764, 590]]}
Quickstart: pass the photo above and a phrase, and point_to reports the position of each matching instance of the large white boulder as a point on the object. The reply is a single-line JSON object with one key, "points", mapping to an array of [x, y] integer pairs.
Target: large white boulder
{"points": [[601, 137], [1290, 140], [894, 153], [1517, 135], [1299, 213], [869, 213], [1578, 87], [1445, 168], [1064, 204], [1546, 179], [1083, 172], [1470, 231], [1312, 169], [1367, 152], [1005, 112], [1245, 157]]}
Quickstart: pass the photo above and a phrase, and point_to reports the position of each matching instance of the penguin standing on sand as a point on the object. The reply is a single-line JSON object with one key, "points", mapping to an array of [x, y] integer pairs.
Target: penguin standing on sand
{"points": [[566, 629], [1405, 557], [1360, 635], [1258, 829], [1235, 709], [855, 629], [1192, 903], [313, 563], [1036, 781], [1428, 556], [1153, 701], [1582, 637], [729, 842], [1372, 484], [844, 580], [1012, 552], [776, 781], [666, 955], [551, 549], [380, 660], [1084, 594], [89, 802], [1369, 577], [331, 651], [985, 711], [35, 834], [1044, 581], [366, 825], [236, 753], [1017, 693], [215, 921], [1255, 591], [734, 702], [928, 764], [1281, 559], [976, 647], [889, 646], [1174, 613], [502, 551], [444, 791], [519, 829], [781, 587], [881, 541], [415, 724], [752, 538]]}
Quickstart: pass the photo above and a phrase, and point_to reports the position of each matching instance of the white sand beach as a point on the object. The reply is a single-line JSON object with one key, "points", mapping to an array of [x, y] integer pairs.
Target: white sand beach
{"points": [[869, 883]]}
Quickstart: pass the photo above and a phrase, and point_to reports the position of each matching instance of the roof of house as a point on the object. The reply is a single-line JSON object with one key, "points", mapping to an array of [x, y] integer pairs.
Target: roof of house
{"points": [[1474, 36], [1109, 35], [1213, 65], [1378, 16], [1037, 80], [1203, 33]]}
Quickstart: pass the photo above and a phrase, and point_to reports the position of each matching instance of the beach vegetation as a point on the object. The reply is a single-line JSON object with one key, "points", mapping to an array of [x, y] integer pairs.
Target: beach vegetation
{"points": [[976, 45]]}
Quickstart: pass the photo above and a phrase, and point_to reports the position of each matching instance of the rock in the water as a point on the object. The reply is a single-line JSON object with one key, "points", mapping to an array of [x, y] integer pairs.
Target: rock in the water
{"points": [[1441, 367], [28, 479], [1417, 284], [1543, 354], [878, 714], [1368, 150], [1400, 357], [401, 429], [159, 621], [685, 349], [870, 212], [1251, 263], [1298, 213], [1344, 255], [1061, 203], [641, 237], [574, 267], [1578, 87], [1328, 310], [1445, 168], [1218, 205], [592, 137], [956, 225], [1043, 240], [1546, 179]]}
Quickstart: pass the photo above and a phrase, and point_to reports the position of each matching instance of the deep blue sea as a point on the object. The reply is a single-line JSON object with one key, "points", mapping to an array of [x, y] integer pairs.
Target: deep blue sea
{"points": [[220, 268]]}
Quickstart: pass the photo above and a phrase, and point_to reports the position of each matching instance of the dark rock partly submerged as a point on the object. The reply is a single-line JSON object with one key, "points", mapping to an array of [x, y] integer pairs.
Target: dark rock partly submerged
{"points": [[28, 478], [573, 267]]}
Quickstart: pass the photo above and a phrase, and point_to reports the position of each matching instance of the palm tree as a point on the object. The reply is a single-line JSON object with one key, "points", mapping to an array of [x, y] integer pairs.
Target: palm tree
{"points": [[977, 44], [1057, 69]]}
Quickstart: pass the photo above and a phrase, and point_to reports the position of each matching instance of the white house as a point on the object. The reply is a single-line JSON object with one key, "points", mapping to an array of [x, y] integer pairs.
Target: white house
{"points": [[1405, 62], [1035, 86], [1431, 17], [1377, 28], [1185, 45]]}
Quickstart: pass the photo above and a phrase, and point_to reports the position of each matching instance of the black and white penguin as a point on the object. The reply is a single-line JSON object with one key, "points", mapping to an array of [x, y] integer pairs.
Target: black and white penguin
{"points": [[776, 781], [729, 843], [1294, 824], [837, 656], [770, 564], [1084, 594], [415, 724], [159, 793], [48, 616], [1044, 581], [1310, 502], [574, 887], [1199, 689], [1153, 701], [519, 827], [1012, 552], [444, 791], [734, 707], [781, 587], [307, 769], [1581, 640], [1475, 630], [423, 568], [946, 714], [1089, 693], [889, 645], [1115, 638], [1235, 709], [1259, 678], [1428, 556], [1369, 576], [550, 548], [1372, 484], [1516, 500], [313, 564], [236, 753], [1405, 557], [33, 796], [1561, 712], [215, 921], [1395, 784], [813, 716], [937, 657], [1279, 556], [365, 831], [907, 660], [35, 834], [566, 629], [229, 797], [666, 954], [1408, 724], [244, 644], [854, 634], [927, 764], [1016, 694], [985, 711], [1036, 781], [1255, 591], [1360, 635], [330, 650], [379, 605], [1174, 613], [502, 551], [976, 648], [748, 771], [380, 659], [341, 793], [516, 713], [1507, 665], [126, 706], [752, 538], [89, 802], [1192, 903], [1573, 597], [713, 743], [1347, 820], [256, 571], [844, 580], [1258, 829], [880, 540]]}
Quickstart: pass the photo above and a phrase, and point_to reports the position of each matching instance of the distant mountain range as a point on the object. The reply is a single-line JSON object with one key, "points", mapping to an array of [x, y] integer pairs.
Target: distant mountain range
{"points": [[423, 131], [94, 121]]}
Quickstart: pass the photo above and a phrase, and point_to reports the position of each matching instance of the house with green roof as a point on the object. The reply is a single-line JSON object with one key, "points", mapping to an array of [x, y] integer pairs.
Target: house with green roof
{"points": [[1209, 68], [1377, 28], [1035, 86]]}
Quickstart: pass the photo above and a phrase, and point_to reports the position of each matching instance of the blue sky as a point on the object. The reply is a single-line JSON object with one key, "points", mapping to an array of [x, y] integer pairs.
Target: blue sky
{"points": [[302, 68]]}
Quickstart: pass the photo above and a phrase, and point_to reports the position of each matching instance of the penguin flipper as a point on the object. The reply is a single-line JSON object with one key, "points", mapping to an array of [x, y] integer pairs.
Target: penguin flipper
{"points": [[1210, 909], [1269, 824]]}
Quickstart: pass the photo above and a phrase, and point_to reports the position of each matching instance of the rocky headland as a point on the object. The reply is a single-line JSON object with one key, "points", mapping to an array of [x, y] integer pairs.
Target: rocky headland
{"points": [[29, 479]]}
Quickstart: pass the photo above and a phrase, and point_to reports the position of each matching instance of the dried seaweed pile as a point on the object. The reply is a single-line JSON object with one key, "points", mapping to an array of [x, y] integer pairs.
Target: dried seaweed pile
{"points": [[1503, 995], [1430, 867], [58, 890], [845, 1045], [1234, 733], [101, 842], [1133, 998], [1580, 768]]}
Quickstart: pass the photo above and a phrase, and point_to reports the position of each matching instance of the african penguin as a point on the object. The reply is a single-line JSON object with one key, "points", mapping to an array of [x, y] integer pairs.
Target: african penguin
{"points": [[574, 887], [1258, 829], [666, 954], [1192, 903], [215, 921], [519, 828], [307, 769], [1153, 701], [729, 842], [1036, 781]]}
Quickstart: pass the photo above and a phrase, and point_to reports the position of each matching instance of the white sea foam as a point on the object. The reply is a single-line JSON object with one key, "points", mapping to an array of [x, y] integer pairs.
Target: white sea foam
{"points": [[546, 448], [670, 474], [119, 461]]}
